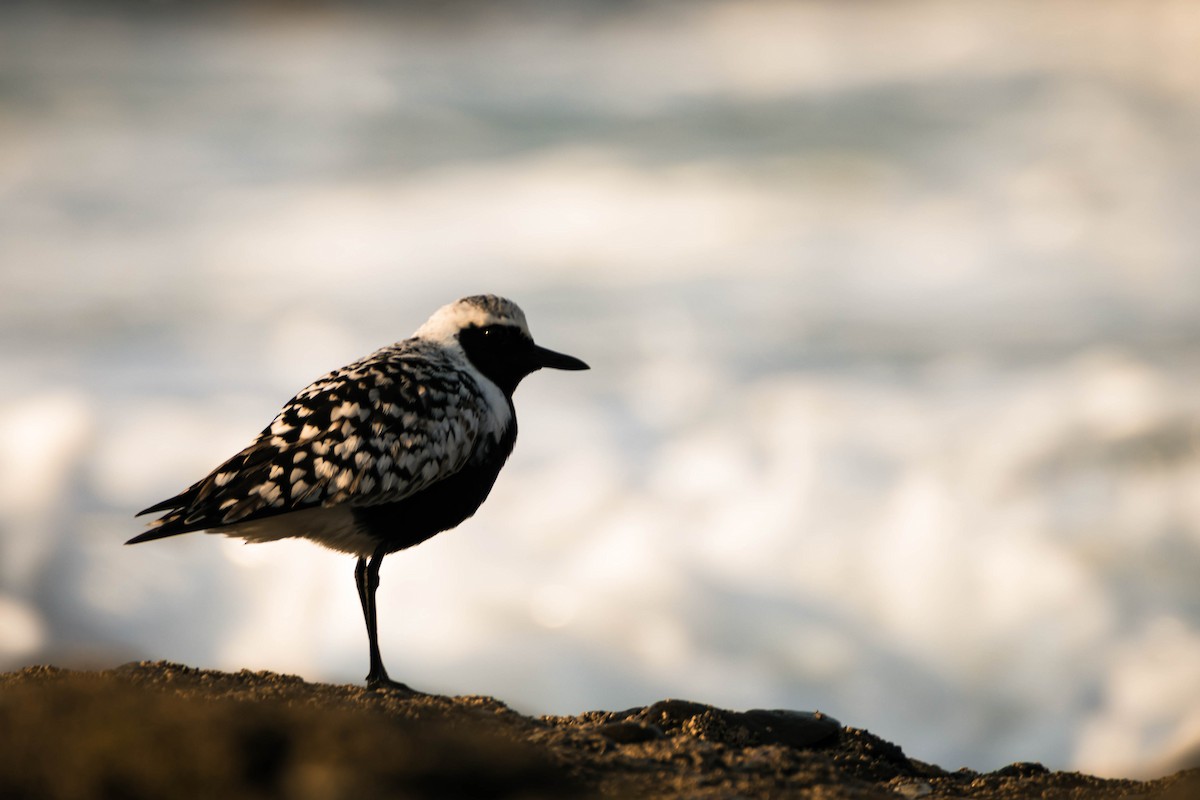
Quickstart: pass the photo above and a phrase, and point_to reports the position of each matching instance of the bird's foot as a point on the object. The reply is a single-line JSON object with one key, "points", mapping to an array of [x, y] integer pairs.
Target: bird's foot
{"points": [[377, 682]]}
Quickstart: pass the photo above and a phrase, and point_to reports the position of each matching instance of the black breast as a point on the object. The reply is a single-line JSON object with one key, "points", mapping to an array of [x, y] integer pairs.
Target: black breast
{"points": [[440, 506]]}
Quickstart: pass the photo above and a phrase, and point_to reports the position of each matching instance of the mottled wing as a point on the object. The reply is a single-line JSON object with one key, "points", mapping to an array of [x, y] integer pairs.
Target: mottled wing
{"points": [[375, 431]]}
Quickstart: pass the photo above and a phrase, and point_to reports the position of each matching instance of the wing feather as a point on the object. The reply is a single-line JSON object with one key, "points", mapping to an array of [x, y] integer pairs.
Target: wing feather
{"points": [[375, 431]]}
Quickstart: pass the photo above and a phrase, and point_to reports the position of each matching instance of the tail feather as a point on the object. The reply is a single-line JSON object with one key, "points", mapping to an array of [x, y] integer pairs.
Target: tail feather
{"points": [[156, 533], [224, 497], [189, 503], [180, 500]]}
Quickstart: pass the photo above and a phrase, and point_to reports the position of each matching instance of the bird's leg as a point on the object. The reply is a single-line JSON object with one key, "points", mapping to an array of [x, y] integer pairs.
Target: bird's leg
{"points": [[366, 576], [360, 580]]}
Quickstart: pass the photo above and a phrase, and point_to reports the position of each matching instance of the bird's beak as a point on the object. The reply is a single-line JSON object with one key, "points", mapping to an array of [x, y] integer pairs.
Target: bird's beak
{"points": [[548, 358]]}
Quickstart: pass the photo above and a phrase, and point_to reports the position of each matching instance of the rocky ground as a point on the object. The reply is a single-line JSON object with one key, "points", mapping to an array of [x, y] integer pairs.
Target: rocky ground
{"points": [[156, 730]]}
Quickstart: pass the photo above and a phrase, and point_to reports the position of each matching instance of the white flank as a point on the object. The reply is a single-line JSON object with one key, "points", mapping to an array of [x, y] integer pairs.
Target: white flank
{"points": [[332, 527]]}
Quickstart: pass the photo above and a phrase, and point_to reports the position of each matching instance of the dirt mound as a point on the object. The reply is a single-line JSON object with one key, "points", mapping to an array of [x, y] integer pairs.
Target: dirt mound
{"points": [[153, 730]]}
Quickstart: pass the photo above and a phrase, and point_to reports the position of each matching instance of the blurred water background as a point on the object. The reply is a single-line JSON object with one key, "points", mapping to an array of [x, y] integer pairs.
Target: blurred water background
{"points": [[891, 309]]}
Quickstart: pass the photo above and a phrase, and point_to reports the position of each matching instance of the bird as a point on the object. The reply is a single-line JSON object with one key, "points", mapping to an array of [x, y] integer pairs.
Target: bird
{"points": [[381, 454]]}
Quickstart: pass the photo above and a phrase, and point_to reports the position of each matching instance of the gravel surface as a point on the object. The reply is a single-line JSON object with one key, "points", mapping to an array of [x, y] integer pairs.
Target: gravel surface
{"points": [[153, 730]]}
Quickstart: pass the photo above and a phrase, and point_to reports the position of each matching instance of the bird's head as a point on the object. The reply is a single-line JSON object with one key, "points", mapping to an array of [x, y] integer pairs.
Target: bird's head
{"points": [[493, 334]]}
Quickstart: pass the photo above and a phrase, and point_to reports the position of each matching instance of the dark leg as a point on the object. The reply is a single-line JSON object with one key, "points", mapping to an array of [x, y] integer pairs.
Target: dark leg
{"points": [[366, 575], [360, 580]]}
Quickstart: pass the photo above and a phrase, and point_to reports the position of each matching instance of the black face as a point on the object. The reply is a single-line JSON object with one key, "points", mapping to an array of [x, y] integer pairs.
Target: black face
{"points": [[505, 354]]}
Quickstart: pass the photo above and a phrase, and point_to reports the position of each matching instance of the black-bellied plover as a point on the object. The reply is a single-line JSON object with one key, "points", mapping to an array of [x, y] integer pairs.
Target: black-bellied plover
{"points": [[381, 454]]}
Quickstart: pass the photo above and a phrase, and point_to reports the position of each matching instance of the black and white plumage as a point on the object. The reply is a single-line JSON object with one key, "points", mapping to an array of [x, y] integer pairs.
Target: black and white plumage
{"points": [[381, 454]]}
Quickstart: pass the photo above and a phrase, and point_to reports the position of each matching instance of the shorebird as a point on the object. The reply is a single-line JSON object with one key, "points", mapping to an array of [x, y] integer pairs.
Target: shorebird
{"points": [[381, 454]]}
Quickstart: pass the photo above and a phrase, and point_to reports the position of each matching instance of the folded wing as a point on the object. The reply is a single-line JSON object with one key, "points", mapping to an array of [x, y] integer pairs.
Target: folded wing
{"points": [[375, 431]]}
